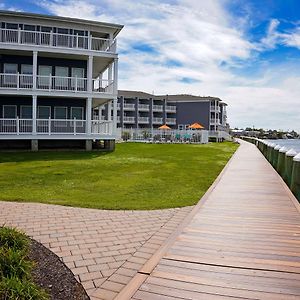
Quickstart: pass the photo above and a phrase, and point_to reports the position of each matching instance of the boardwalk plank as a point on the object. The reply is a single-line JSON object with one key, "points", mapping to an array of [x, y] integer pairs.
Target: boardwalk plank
{"points": [[242, 243]]}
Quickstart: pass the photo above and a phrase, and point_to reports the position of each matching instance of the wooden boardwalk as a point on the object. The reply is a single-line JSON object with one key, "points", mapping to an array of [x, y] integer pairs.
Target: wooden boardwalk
{"points": [[241, 242]]}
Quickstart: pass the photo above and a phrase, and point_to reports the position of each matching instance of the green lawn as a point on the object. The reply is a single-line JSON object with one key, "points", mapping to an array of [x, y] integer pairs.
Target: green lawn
{"points": [[135, 176]]}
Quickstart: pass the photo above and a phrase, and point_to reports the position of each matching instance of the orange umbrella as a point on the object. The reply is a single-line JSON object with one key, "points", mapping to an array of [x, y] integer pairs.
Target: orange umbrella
{"points": [[164, 127], [196, 126]]}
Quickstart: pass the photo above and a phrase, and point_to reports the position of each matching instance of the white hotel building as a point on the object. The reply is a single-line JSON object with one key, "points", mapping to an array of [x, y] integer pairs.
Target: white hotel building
{"points": [[53, 72]]}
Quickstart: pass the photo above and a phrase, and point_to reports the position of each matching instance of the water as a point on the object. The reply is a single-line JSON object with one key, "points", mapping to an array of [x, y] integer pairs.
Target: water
{"points": [[295, 144]]}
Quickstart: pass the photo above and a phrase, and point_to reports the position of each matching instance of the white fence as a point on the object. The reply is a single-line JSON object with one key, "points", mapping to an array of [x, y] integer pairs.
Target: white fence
{"points": [[54, 127], [54, 83], [168, 136], [220, 135], [57, 40]]}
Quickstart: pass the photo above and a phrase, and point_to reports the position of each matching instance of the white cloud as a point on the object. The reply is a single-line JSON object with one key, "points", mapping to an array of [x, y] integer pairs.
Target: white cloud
{"points": [[204, 41]]}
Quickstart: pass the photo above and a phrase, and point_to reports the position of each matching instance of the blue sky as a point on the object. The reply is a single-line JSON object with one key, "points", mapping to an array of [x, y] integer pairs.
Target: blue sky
{"points": [[246, 52]]}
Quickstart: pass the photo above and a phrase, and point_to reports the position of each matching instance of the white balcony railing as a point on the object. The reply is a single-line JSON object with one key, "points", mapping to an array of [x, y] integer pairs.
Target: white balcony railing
{"points": [[157, 120], [171, 108], [171, 121], [53, 127], [129, 106], [54, 83], [129, 119], [214, 121], [56, 40], [103, 86], [58, 83], [143, 106], [157, 108], [215, 108], [143, 120]]}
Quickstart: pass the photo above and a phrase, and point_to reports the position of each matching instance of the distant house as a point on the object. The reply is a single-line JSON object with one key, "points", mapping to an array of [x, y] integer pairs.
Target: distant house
{"points": [[54, 72], [142, 110]]}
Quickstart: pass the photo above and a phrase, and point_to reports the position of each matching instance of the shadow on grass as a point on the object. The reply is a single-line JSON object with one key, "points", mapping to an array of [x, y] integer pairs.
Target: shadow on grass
{"points": [[6, 157]]}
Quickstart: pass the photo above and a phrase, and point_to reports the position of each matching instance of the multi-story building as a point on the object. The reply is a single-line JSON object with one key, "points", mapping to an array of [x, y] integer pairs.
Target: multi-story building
{"points": [[142, 110], [53, 72]]}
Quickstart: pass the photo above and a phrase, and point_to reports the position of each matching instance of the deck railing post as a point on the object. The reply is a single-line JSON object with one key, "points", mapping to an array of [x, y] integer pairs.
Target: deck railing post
{"points": [[289, 166], [18, 80], [17, 125], [295, 181], [19, 35], [49, 126], [281, 160], [74, 129]]}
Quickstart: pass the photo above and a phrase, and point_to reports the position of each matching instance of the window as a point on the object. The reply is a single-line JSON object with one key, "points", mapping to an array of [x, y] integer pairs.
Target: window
{"points": [[10, 77], [9, 111], [10, 68], [180, 127], [26, 69], [44, 112], [46, 29], [26, 112], [187, 126], [77, 112], [26, 79], [29, 27], [60, 112], [44, 73], [11, 26], [78, 72], [62, 71], [78, 80], [61, 74]]}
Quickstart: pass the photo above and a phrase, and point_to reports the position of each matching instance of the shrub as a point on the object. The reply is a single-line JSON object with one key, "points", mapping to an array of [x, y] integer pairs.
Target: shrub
{"points": [[15, 268], [16, 289], [13, 263], [126, 135], [13, 238]]}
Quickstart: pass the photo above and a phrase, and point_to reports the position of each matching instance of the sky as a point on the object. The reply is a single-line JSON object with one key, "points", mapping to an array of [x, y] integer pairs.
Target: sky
{"points": [[246, 52]]}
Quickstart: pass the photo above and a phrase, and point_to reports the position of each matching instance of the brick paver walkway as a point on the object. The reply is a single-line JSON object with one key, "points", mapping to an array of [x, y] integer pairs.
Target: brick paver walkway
{"points": [[104, 249]]}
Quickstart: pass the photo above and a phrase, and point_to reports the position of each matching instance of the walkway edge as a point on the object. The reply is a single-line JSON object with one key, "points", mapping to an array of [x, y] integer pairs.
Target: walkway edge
{"points": [[130, 289]]}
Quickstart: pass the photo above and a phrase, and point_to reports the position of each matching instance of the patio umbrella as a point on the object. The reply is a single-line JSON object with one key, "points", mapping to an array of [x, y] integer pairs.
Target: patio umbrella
{"points": [[164, 127], [196, 126]]}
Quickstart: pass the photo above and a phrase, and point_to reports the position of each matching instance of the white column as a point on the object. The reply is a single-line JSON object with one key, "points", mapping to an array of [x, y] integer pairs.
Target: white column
{"points": [[115, 92], [88, 115], [34, 69], [109, 110], [115, 121], [110, 73], [90, 74], [34, 110]]}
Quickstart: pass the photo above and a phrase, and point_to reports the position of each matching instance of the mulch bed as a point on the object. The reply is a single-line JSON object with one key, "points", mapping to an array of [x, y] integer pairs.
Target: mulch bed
{"points": [[54, 276]]}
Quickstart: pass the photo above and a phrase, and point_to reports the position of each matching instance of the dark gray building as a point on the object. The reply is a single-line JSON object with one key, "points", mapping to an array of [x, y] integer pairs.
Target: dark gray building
{"points": [[142, 110]]}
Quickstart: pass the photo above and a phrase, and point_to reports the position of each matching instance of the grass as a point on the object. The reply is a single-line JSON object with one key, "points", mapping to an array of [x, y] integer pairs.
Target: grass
{"points": [[135, 176], [15, 267]]}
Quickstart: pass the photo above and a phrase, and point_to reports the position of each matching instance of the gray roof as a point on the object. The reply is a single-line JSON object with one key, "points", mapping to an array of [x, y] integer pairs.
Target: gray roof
{"points": [[171, 98], [117, 27]]}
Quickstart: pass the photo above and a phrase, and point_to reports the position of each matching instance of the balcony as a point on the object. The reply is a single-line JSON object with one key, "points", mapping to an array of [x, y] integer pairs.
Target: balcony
{"points": [[171, 108], [129, 119], [143, 120], [55, 40], [129, 106], [144, 107], [54, 83], [214, 121], [157, 120], [158, 108], [51, 127], [171, 121], [215, 109]]}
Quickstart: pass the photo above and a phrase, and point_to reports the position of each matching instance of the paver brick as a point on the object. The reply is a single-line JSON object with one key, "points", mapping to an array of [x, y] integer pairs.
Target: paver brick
{"points": [[98, 246]]}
